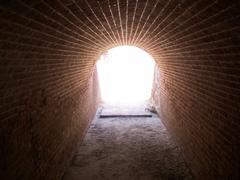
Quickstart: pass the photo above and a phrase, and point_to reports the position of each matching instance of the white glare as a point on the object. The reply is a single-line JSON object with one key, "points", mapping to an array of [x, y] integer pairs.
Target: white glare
{"points": [[125, 75]]}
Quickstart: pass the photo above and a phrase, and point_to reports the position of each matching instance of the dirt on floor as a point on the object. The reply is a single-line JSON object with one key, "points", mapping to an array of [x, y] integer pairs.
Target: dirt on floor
{"points": [[123, 148]]}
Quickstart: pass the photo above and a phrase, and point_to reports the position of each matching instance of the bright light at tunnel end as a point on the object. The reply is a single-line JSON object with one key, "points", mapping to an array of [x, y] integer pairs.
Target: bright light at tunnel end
{"points": [[125, 75]]}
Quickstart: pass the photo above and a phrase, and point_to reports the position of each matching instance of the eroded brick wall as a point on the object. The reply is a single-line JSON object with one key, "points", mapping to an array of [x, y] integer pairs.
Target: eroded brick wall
{"points": [[48, 50], [197, 91], [40, 132], [49, 94], [202, 113]]}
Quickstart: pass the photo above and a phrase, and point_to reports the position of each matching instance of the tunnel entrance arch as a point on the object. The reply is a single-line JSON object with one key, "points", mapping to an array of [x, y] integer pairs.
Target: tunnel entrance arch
{"points": [[125, 75]]}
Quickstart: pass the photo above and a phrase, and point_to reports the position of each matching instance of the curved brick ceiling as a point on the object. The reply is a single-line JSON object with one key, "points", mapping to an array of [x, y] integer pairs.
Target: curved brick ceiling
{"points": [[82, 30]]}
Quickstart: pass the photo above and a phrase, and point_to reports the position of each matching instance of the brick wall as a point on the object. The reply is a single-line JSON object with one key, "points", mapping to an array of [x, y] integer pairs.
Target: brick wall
{"points": [[39, 132], [48, 94], [196, 90]]}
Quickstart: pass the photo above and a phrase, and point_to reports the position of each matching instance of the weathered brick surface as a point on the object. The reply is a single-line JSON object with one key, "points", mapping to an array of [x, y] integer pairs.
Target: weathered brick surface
{"points": [[48, 50], [39, 135]]}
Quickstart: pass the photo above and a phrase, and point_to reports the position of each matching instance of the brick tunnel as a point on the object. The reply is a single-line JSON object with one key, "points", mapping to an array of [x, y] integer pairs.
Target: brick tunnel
{"points": [[49, 84]]}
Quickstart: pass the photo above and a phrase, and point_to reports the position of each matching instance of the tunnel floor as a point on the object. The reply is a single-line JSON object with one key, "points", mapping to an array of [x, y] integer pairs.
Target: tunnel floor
{"points": [[127, 148]]}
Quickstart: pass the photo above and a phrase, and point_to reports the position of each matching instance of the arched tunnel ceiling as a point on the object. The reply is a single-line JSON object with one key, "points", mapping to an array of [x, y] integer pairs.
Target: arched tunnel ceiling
{"points": [[76, 32], [87, 28]]}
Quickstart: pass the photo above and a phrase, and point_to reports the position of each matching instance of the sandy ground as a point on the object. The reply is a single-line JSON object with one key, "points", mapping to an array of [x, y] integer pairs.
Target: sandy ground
{"points": [[125, 148]]}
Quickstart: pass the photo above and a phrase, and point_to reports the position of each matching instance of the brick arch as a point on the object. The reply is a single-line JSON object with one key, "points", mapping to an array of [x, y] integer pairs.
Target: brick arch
{"points": [[48, 50]]}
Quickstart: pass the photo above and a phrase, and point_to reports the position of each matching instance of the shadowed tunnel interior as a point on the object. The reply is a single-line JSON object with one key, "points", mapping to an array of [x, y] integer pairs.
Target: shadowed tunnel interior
{"points": [[49, 88]]}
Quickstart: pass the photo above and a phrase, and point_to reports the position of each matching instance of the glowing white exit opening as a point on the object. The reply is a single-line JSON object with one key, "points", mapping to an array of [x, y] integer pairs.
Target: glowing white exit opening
{"points": [[125, 75]]}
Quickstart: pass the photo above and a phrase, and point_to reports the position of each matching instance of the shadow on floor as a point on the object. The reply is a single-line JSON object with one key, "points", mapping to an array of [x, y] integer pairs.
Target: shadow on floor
{"points": [[127, 148]]}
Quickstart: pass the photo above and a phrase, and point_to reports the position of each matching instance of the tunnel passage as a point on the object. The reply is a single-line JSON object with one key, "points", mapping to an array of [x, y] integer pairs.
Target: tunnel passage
{"points": [[49, 88]]}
